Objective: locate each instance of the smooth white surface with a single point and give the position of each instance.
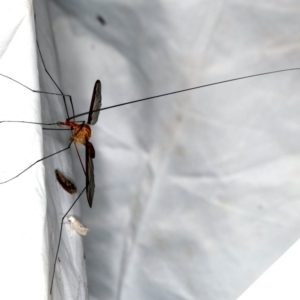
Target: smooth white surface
(280, 281)
(23, 252)
(197, 194)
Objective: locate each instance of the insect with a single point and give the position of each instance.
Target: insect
(81, 133)
(78, 226)
(101, 20)
(67, 184)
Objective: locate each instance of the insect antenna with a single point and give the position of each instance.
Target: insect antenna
(185, 90)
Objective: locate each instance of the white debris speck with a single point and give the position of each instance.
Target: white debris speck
(78, 226)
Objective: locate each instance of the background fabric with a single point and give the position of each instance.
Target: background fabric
(24, 232)
(197, 194)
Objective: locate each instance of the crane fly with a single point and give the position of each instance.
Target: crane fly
(81, 133)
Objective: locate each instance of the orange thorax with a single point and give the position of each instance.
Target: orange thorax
(80, 133)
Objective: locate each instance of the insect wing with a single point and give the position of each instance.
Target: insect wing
(96, 103)
(90, 180)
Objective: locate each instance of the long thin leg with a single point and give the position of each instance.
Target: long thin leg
(80, 158)
(28, 88)
(37, 162)
(37, 123)
(25, 122)
(46, 124)
(83, 122)
(57, 123)
(62, 94)
(57, 129)
(59, 239)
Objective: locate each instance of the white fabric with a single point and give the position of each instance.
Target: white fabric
(196, 193)
(24, 247)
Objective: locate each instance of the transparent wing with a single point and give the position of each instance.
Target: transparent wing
(96, 103)
(90, 180)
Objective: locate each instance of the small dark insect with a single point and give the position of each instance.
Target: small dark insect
(66, 184)
(58, 259)
(101, 20)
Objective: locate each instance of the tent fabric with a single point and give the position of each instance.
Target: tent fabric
(23, 199)
(197, 194)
